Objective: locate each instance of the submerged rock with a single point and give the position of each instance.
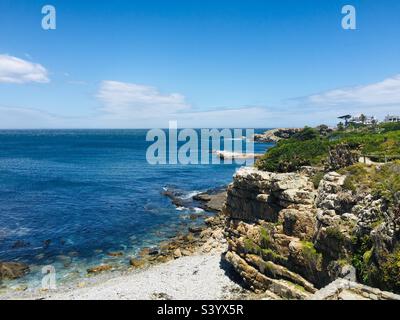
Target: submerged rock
(20, 244)
(13, 270)
(212, 200)
(115, 254)
(99, 269)
(137, 263)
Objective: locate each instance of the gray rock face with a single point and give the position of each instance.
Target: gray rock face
(256, 194)
(343, 289)
(275, 135)
(280, 228)
(342, 156)
(268, 214)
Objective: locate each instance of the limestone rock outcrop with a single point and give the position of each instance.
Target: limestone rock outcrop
(342, 289)
(275, 135)
(289, 238)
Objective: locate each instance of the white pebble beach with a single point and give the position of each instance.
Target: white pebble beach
(196, 277)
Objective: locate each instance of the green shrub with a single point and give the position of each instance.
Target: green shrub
(250, 246)
(336, 234)
(387, 127)
(306, 134)
(383, 181)
(316, 179)
(312, 258)
(291, 155)
(265, 238)
(386, 183)
(391, 271)
(271, 255)
(361, 246)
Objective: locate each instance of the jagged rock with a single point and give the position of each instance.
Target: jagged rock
(342, 289)
(196, 229)
(13, 270)
(275, 135)
(281, 232)
(289, 215)
(334, 241)
(137, 263)
(115, 254)
(258, 281)
(369, 211)
(299, 221)
(98, 269)
(341, 156)
(256, 194)
(337, 270)
(276, 271)
(332, 196)
(212, 200)
(177, 253)
(306, 261)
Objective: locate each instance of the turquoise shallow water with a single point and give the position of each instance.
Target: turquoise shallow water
(67, 197)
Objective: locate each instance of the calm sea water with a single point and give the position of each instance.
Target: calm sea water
(74, 195)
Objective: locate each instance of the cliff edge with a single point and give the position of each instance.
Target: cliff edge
(291, 236)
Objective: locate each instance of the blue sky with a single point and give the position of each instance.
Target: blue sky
(130, 64)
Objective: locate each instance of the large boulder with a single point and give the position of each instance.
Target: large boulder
(13, 270)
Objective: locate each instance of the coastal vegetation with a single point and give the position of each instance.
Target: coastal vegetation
(311, 147)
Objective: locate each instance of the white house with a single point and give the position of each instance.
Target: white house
(390, 118)
(363, 120)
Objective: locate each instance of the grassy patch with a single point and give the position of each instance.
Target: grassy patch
(391, 271)
(383, 181)
(311, 256)
(266, 240)
(316, 179)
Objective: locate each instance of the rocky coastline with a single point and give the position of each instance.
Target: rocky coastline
(272, 236)
(275, 135)
(291, 238)
(203, 243)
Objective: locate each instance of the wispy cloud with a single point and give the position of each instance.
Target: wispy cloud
(129, 105)
(16, 70)
(377, 99)
(130, 100)
(386, 92)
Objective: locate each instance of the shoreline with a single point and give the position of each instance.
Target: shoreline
(176, 269)
(181, 279)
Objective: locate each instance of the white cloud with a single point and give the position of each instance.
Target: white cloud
(129, 105)
(16, 70)
(386, 92)
(130, 100)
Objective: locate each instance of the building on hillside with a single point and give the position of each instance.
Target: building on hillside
(391, 118)
(362, 119)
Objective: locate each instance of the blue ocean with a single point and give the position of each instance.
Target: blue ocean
(83, 193)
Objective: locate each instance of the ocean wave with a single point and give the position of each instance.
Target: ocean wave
(19, 232)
